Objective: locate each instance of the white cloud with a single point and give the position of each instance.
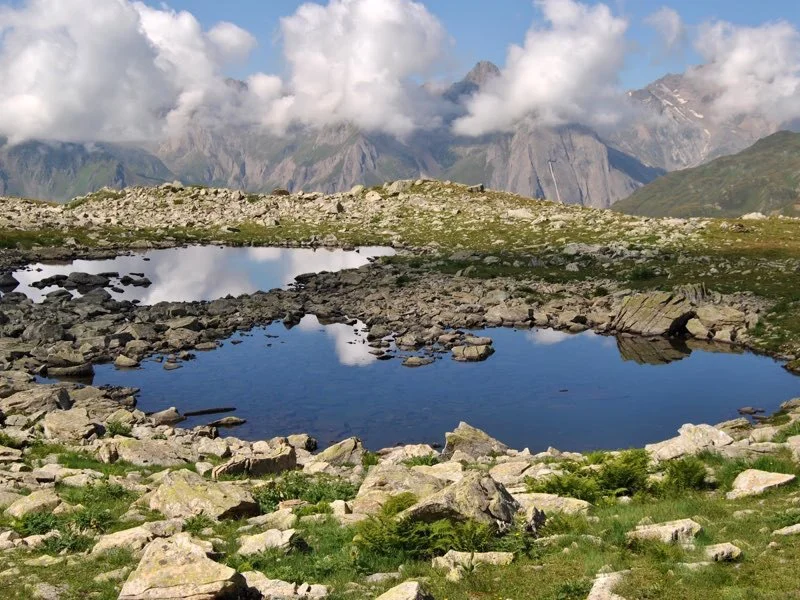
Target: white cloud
(354, 60)
(566, 71)
(233, 42)
(751, 69)
(670, 27)
(118, 70)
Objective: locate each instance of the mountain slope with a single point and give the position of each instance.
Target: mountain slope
(585, 169)
(764, 178)
(677, 128)
(60, 171)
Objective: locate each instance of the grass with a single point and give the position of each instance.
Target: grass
(299, 486)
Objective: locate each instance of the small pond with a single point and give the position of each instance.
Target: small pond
(541, 388)
(200, 272)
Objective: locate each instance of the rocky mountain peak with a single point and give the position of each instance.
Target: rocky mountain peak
(482, 72)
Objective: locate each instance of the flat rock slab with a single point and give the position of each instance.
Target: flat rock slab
(270, 539)
(723, 552)
(184, 494)
(753, 482)
(408, 590)
(551, 503)
(604, 584)
(43, 501)
(179, 567)
(276, 589)
(682, 531)
(790, 530)
(691, 440)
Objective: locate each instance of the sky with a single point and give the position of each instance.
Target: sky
(149, 70)
(483, 29)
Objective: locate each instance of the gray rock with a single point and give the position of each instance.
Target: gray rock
(472, 442)
(179, 567)
(476, 497)
(183, 494)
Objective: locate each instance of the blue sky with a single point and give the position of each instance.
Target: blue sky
(483, 30)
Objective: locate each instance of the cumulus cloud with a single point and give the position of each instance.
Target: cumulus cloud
(566, 71)
(354, 60)
(108, 69)
(120, 70)
(751, 69)
(670, 27)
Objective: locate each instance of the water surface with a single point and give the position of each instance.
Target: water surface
(203, 272)
(541, 388)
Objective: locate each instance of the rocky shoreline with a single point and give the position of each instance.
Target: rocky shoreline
(131, 506)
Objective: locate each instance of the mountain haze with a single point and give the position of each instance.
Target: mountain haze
(671, 128)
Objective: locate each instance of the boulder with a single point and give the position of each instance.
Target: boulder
(9, 455)
(682, 531)
(168, 416)
(551, 503)
(723, 552)
(275, 589)
(42, 501)
(472, 353)
(476, 497)
(272, 539)
(511, 473)
(449, 472)
(72, 425)
(408, 590)
(136, 538)
(346, 452)
(456, 563)
(400, 454)
(179, 567)
(281, 519)
(125, 362)
(714, 317)
(471, 441)
(386, 480)
(43, 398)
(790, 530)
(753, 482)
(653, 313)
(604, 584)
(691, 440)
(277, 460)
(184, 494)
(144, 453)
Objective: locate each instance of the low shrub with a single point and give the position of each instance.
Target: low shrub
(197, 523)
(787, 432)
(622, 474)
(426, 461)
(685, 474)
(300, 486)
(369, 459)
(118, 428)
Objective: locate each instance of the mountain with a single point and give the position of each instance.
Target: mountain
(60, 171)
(571, 163)
(674, 127)
(764, 178)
